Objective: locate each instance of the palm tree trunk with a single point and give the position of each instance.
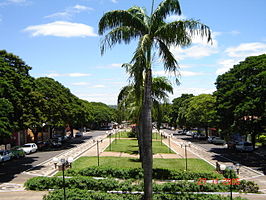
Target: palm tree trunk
(140, 141)
(147, 135)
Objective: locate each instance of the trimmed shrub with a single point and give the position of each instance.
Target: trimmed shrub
(137, 173)
(86, 183)
(88, 195)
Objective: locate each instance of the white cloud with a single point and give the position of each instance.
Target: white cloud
(114, 1)
(14, 2)
(110, 66)
(199, 48)
(98, 86)
(226, 65)
(61, 29)
(246, 49)
(196, 91)
(69, 12)
(81, 84)
(196, 51)
(107, 98)
(234, 32)
(17, 1)
(53, 75)
(182, 73)
(239, 53)
(172, 18)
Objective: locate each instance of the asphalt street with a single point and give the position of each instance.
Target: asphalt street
(253, 159)
(12, 169)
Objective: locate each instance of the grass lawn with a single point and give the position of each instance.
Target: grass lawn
(195, 165)
(131, 147)
(124, 134)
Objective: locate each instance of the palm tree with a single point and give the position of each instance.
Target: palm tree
(128, 101)
(153, 34)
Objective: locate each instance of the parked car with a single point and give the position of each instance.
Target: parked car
(180, 132)
(199, 136)
(189, 133)
(5, 155)
(210, 138)
(42, 145)
(55, 143)
(29, 148)
(17, 152)
(218, 140)
(244, 146)
(78, 134)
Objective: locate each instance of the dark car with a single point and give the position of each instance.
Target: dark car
(78, 134)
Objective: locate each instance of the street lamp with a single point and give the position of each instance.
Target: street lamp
(98, 152)
(186, 144)
(62, 164)
(237, 168)
(169, 143)
(110, 141)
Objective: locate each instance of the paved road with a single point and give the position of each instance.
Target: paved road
(12, 169)
(249, 159)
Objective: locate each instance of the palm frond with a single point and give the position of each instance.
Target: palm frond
(118, 35)
(140, 13)
(118, 18)
(166, 8)
(170, 63)
(181, 32)
(160, 87)
(123, 93)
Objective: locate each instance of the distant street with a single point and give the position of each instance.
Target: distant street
(12, 169)
(249, 159)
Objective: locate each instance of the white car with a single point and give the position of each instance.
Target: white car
(29, 148)
(189, 133)
(4, 155)
(218, 140)
(178, 133)
(244, 146)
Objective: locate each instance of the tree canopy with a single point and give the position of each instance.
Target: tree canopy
(241, 97)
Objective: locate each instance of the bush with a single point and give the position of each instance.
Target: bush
(137, 173)
(86, 183)
(88, 195)
(228, 173)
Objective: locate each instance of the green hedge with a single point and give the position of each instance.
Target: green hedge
(88, 195)
(137, 173)
(85, 183)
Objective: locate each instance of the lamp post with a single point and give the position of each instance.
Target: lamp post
(110, 141)
(63, 163)
(186, 144)
(231, 185)
(98, 152)
(169, 143)
(237, 168)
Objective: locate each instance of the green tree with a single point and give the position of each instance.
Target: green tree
(177, 103)
(17, 88)
(241, 97)
(57, 99)
(201, 111)
(6, 112)
(153, 33)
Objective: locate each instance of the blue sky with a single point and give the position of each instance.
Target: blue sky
(58, 39)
